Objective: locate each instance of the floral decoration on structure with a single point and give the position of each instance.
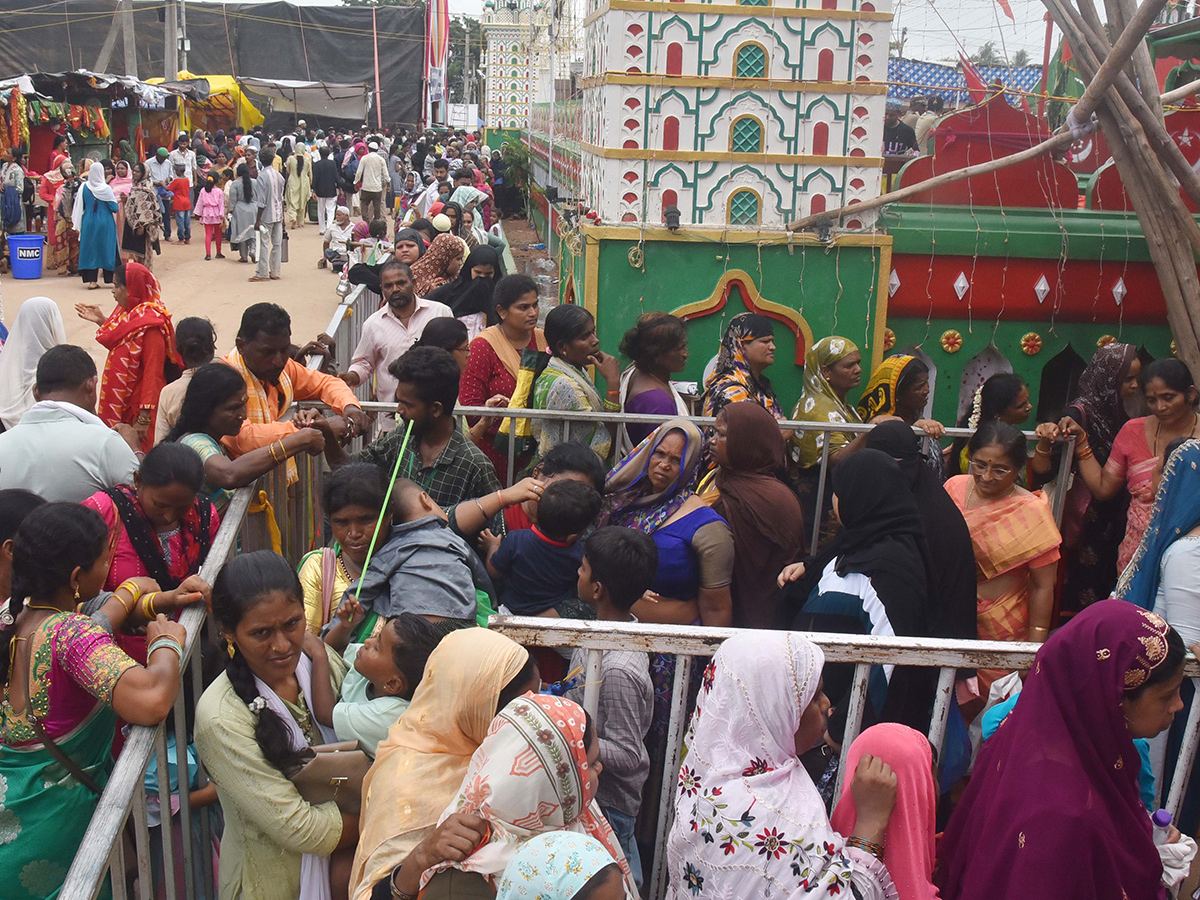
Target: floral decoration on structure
(1105, 340)
(889, 339)
(951, 341)
(1031, 343)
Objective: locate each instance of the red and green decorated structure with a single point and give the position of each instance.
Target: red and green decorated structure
(1027, 269)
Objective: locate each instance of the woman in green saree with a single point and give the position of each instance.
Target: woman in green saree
(65, 683)
(564, 384)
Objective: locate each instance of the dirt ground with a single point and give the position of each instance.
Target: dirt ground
(215, 289)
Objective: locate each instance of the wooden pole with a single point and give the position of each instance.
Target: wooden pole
(1046, 67)
(1130, 104)
(1156, 201)
(1091, 47)
(1180, 93)
(1121, 52)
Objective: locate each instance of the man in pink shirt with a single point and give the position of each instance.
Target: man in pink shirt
(389, 333)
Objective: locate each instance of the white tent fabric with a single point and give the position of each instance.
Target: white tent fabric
(316, 98)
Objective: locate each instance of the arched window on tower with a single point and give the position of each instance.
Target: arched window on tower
(674, 58)
(750, 61)
(670, 139)
(746, 135)
(743, 208)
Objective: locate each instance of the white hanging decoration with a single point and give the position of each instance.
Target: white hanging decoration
(961, 284)
(1119, 291)
(893, 283)
(1042, 289)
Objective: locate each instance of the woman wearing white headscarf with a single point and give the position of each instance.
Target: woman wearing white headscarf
(749, 821)
(94, 217)
(37, 327)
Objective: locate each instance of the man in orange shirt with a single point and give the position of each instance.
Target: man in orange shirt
(274, 380)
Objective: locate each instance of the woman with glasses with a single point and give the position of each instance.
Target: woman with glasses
(1015, 539)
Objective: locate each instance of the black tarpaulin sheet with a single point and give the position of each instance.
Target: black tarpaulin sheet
(261, 40)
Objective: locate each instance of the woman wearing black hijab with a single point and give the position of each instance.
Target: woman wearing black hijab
(952, 581)
(871, 579)
(469, 296)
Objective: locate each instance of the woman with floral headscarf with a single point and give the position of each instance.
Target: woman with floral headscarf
(142, 358)
(439, 264)
(749, 821)
(1092, 529)
(536, 772)
(899, 389)
(832, 368)
(747, 349)
(143, 219)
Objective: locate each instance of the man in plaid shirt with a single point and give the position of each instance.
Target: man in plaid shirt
(439, 457)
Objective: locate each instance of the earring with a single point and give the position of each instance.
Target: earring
(76, 592)
(229, 647)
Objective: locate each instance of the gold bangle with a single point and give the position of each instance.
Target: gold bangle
(1040, 628)
(148, 605)
(1038, 449)
(132, 603)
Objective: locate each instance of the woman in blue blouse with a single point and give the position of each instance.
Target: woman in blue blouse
(652, 492)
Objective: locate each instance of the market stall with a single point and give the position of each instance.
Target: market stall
(213, 103)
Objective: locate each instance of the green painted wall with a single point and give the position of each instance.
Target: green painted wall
(834, 289)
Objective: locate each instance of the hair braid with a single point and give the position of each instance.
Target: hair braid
(273, 736)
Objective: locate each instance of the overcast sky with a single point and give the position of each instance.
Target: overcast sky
(935, 30)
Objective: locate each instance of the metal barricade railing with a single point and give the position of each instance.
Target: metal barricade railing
(103, 848)
(685, 643)
(617, 418)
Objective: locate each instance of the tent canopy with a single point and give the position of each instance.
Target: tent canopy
(316, 98)
(225, 103)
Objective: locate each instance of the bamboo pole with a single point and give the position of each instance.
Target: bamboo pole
(1092, 47)
(1120, 54)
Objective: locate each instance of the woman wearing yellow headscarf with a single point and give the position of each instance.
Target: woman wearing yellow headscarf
(832, 368)
(899, 389)
(419, 767)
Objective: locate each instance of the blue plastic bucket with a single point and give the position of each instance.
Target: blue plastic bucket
(25, 254)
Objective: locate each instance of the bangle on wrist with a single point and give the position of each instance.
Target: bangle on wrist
(165, 641)
(148, 606)
(871, 847)
(398, 894)
(482, 511)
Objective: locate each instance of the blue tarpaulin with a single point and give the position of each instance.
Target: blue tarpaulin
(914, 78)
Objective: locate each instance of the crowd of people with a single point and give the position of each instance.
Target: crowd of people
(477, 772)
(246, 190)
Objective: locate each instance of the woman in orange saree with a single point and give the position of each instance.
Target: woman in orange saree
(1015, 539)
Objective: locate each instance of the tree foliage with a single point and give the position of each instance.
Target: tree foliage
(987, 55)
(459, 28)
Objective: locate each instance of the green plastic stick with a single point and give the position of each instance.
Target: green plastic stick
(383, 512)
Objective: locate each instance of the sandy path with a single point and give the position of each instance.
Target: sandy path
(216, 289)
